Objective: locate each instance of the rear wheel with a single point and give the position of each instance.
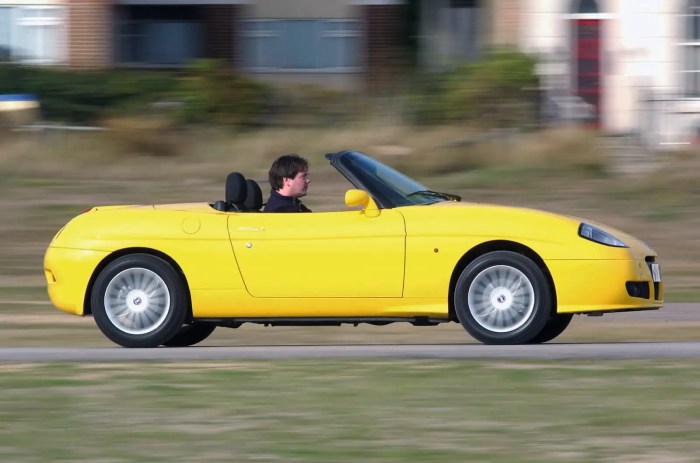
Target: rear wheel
(139, 300)
(503, 298)
(191, 334)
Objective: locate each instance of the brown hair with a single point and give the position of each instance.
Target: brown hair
(286, 166)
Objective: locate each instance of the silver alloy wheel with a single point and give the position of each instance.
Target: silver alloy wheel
(137, 300)
(501, 298)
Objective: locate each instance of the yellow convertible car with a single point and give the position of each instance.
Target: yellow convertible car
(168, 275)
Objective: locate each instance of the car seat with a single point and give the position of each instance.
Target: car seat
(236, 191)
(253, 200)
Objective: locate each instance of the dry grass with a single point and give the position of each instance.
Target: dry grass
(47, 177)
(567, 149)
(154, 135)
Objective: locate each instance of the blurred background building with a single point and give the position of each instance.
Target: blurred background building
(335, 43)
(626, 66)
(629, 66)
(636, 62)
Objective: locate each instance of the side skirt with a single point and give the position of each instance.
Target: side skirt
(323, 321)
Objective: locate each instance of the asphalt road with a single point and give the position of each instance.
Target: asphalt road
(552, 351)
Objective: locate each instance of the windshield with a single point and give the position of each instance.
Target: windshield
(387, 186)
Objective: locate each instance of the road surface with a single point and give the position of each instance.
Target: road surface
(683, 313)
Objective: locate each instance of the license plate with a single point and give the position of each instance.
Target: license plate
(655, 272)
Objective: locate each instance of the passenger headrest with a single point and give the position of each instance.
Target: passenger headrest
(236, 190)
(254, 198)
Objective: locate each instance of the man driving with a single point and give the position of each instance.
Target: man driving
(289, 179)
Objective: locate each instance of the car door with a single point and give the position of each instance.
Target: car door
(320, 254)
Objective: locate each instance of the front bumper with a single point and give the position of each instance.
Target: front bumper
(588, 286)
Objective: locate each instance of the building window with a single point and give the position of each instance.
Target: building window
(691, 62)
(463, 3)
(5, 22)
(301, 45)
(585, 7)
(168, 36)
(32, 34)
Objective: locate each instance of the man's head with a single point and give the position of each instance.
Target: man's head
(289, 175)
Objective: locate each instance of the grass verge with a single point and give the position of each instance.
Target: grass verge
(349, 411)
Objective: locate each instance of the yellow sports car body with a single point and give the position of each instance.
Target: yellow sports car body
(170, 274)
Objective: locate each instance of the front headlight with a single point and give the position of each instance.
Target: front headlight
(597, 235)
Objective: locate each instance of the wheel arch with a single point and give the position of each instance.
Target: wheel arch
(87, 308)
(491, 246)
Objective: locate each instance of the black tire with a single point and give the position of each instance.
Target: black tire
(139, 300)
(503, 298)
(553, 328)
(191, 334)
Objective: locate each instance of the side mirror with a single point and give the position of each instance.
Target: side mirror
(355, 198)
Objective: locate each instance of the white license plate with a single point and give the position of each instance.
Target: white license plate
(655, 272)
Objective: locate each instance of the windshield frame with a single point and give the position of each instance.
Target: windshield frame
(387, 186)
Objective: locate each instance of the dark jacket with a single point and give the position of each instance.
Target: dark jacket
(280, 203)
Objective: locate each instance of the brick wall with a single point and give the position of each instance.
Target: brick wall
(220, 25)
(506, 22)
(384, 40)
(90, 33)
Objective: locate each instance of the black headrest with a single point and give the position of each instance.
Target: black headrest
(236, 190)
(254, 198)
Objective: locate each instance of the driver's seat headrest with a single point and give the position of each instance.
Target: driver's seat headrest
(236, 191)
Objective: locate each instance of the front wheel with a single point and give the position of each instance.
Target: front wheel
(191, 334)
(139, 300)
(503, 298)
(553, 328)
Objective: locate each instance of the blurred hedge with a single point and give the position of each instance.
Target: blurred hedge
(211, 93)
(498, 90)
(204, 92)
(84, 96)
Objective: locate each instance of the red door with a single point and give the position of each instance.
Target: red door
(587, 63)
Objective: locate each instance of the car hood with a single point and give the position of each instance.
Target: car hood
(496, 222)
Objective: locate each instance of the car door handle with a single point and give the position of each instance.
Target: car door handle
(251, 229)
